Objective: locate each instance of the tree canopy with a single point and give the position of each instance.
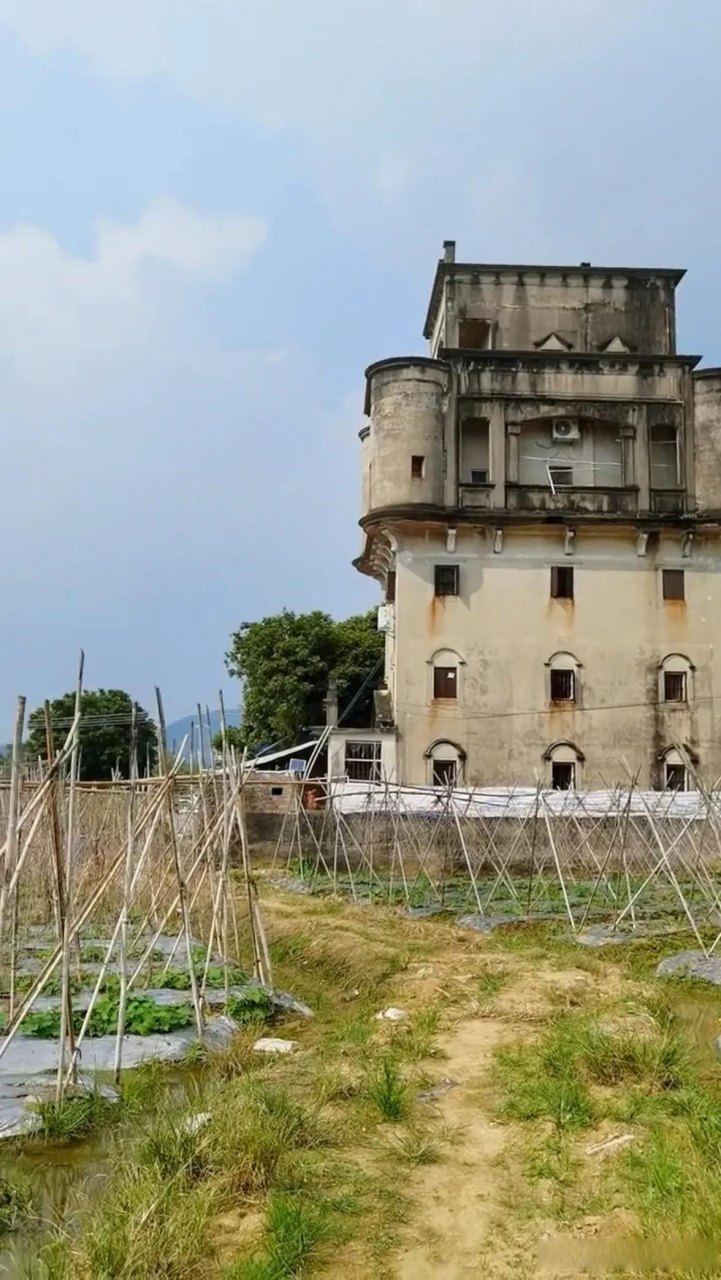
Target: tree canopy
(104, 732)
(285, 662)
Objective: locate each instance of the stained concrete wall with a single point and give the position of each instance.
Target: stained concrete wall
(406, 403)
(504, 628)
(707, 413)
(585, 309)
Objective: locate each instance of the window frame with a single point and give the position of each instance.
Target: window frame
(671, 767)
(453, 573)
(558, 675)
(667, 679)
(569, 765)
(372, 760)
(442, 765)
(418, 466)
(558, 575)
(444, 673)
(554, 469)
(668, 578)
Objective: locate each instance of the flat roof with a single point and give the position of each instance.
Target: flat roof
(576, 269)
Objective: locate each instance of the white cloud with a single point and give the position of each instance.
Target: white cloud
(55, 309)
(326, 66)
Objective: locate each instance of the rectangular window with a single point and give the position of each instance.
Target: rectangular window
(391, 586)
(418, 466)
(445, 682)
(561, 582)
(363, 761)
(563, 775)
(446, 579)
(673, 584)
(665, 462)
(563, 686)
(561, 477)
(276, 791)
(444, 773)
(474, 462)
(675, 777)
(674, 686)
(474, 334)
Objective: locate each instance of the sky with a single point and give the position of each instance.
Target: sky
(214, 216)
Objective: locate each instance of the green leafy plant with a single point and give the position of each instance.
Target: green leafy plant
(255, 1005)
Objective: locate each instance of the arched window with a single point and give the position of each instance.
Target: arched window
(565, 762)
(445, 763)
(675, 679)
(445, 668)
(675, 774)
(563, 685)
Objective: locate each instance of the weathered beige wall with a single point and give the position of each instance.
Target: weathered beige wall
(707, 404)
(505, 627)
(586, 311)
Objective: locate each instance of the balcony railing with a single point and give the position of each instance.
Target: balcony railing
(585, 500)
(668, 501)
(475, 497)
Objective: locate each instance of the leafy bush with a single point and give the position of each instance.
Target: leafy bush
(143, 1017)
(255, 1005)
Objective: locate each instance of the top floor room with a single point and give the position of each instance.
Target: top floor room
(582, 308)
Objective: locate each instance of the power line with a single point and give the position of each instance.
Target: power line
(574, 708)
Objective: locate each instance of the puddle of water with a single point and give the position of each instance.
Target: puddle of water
(64, 1174)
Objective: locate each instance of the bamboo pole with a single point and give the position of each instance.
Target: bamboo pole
(127, 890)
(182, 893)
(66, 1010)
(11, 843)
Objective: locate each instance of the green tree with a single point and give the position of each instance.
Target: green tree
(285, 662)
(104, 732)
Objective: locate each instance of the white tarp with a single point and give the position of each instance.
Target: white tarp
(518, 802)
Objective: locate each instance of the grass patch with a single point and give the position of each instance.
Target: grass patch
(296, 1229)
(387, 1090)
(76, 1115)
(491, 980)
(16, 1201)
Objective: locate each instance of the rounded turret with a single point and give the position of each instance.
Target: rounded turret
(365, 438)
(707, 433)
(406, 402)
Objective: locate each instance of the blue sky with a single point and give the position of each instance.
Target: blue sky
(213, 216)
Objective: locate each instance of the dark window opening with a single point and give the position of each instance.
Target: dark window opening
(391, 586)
(474, 334)
(445, 682)
(418, 466)
(563, 775)
(674, 686)
(474, 451)
(665, 468)
(276, 791)
(561, 582)
(444, 773)
(563, 686)
(675, 777)
(446, 579)
(673, 584)
(363, 761)
(561, 477)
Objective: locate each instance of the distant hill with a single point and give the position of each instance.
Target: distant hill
(177, 729)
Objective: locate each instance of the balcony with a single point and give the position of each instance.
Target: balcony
(581, 499)
(475, 497)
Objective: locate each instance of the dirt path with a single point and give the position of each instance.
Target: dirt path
(459, 1195)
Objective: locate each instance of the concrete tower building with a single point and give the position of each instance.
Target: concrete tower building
(542, 509)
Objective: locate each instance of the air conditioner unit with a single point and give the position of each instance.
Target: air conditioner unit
(565, 429)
